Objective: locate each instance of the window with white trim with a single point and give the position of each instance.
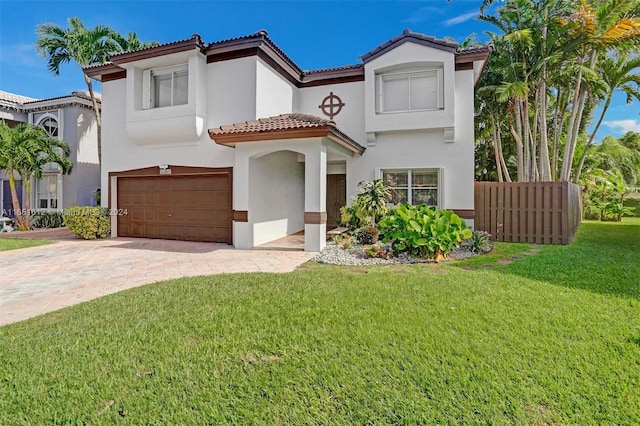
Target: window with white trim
(410, 91)
(50, 127)
(166, 87)
(413, 186)
(47, 192)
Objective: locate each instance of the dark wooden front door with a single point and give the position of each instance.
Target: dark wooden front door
(196, 208)
(336, 198)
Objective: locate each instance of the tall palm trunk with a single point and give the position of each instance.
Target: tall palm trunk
(579, 100)
(545, 166)
(27, 201)
(592, 137)
(496, 152)
(94, 102)
(14, 200)
(503, 164)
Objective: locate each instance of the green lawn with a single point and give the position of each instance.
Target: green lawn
(552, 338)
(18, 243)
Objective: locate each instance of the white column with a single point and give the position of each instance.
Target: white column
(242, 231)
(315, 199)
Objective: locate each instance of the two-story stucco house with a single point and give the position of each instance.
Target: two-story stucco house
(69, 118)
(233, 142)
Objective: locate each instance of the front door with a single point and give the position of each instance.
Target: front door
(336, 198)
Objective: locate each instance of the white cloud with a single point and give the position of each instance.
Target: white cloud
(624, 125)
(423, 14)
(461, 18)
(20, 54)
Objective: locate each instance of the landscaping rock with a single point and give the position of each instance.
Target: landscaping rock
(336, 255)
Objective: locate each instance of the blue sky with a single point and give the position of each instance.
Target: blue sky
(314, 34)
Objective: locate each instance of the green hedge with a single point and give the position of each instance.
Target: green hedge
(88, 223)
(633, 203)
(47, 219)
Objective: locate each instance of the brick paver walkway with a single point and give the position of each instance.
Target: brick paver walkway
(46, 278)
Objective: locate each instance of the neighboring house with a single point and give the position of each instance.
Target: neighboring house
(71, 119)
(233, 142)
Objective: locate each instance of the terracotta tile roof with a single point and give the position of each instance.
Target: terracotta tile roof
(408, 35)
(195, 39)
(333, 69)
(81, 95)
(17, 99)
(473, 50)
(285, 126)
(261, 35)
(271, 124)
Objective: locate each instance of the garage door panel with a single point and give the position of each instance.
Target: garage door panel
(176, 207)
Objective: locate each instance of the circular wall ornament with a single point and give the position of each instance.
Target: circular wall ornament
(331, 105)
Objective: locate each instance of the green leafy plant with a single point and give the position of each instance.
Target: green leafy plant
(423, 231)
(349, 219)
(479, 242)
(367, 234)
(88, 223)
(604, 196)
(343, 240)
(47, 219)
(371, 201)
(376, 250)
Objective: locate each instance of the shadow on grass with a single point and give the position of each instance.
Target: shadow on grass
(604, 258)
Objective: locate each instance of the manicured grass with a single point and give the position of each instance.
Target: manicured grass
(18, 243)
(551, 338)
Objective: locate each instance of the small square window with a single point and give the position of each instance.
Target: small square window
(167, 87)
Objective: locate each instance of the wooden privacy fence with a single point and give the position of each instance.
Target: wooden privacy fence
(528, 212)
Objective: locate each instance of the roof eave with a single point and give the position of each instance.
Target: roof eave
(330, 132)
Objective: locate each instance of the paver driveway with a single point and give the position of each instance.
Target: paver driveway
(46, 278)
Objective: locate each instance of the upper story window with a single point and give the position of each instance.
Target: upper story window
(166, 87)
(50, 126)
(410, 91)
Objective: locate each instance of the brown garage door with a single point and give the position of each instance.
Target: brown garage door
(195, 208)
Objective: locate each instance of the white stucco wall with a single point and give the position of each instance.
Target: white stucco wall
(350, 119)
(276, 199)
(80, 133)
(274, 94)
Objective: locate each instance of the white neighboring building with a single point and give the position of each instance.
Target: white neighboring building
(69, 118)
(233, 142)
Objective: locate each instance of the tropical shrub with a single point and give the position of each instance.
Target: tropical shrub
(605, 195)
(376, 250)
(343, 240)
(88, 223)
(349, 219)
(479, 242)
(367, 235)
(47, 219)
(423, 231)
(371, 201)
(369, 206)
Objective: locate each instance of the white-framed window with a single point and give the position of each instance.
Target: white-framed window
(50, 126)
(166, 87)
(414, 186)
(47, 192)
(411, 91)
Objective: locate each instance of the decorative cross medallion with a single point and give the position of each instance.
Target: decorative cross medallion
(331, 105)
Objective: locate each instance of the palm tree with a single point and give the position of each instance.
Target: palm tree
(85, 47)
(24, 150)
(617, 74)
(599, 27)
